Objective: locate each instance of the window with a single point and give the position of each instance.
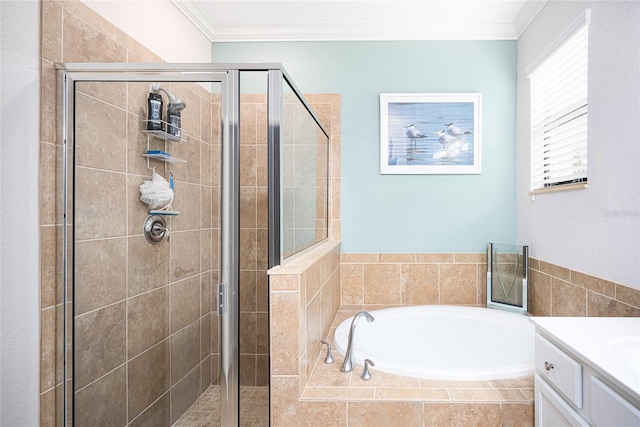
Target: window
(559, 113)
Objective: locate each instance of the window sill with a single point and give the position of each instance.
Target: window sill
(567, 187)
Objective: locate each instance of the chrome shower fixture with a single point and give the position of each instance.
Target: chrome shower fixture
(175, 105)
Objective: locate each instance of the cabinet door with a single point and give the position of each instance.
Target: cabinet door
(608, 408)
(552, 410)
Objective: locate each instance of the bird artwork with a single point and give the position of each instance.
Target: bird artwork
(455, 131)
(413, 134)
(444, 138)
(451, 146)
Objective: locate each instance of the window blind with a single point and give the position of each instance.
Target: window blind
(559, 115)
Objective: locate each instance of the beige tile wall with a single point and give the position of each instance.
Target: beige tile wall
(304, 299)
(327, 109)
(146, 339)
(254, 310)
(413, 278)
(143, 307)
(254, 294)
(559, 291)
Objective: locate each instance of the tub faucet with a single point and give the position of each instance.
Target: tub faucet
(349, 364)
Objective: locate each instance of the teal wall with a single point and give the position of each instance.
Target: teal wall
(410, 213)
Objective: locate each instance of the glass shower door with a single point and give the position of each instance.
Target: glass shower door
(142, 330)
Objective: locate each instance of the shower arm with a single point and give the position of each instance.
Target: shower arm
(175, 105)
(157, 88)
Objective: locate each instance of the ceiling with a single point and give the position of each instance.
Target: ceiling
(304, 20)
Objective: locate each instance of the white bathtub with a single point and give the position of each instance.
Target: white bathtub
(442, 342)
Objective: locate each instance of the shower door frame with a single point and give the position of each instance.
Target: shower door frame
(228, 302)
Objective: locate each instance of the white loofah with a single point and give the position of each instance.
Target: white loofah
(157, 193)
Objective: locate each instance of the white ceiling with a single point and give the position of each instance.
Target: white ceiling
(303, 20)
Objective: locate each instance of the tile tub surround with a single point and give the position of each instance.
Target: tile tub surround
(423, 402)
(306, 396)
(559, 291)
(304, 393)
(304, 299)
(460, 279)
(413, 278)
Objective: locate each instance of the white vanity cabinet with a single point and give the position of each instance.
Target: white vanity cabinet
(582, 381)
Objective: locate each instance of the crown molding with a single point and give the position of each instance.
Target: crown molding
(527, 14)
(364, 31)
(197, 16)
(357, 31)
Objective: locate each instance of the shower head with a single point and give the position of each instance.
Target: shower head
(175, 105)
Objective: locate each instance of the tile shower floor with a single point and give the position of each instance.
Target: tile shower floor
(205, 412)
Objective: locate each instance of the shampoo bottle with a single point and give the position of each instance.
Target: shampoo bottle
(154, 108)
(173, 123)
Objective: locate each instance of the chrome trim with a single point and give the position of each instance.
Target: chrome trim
(230, 249)
(195, 67)
(66, 92)
(274, 113)
(155, 229)
(489, 263)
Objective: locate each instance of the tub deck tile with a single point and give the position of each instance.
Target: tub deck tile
(487, 395)
(382, 379)
(522, 382)
(338, 393)
(453, 384)
(328, 383)
(420, 394)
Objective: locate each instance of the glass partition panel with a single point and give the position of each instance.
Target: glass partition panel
(304, 172)
(253, 285)
(507, 277)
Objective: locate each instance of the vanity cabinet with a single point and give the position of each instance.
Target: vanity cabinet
(570, 391)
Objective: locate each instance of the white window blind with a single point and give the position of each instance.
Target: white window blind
(559, 115)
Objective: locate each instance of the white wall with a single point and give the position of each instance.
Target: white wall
(159, 26)
(19, 260)
(596, 230)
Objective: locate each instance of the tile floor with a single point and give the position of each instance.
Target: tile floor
(205, 412)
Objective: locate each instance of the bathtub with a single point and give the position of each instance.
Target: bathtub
(441, 342)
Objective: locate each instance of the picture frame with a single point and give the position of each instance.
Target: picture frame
(430, 133)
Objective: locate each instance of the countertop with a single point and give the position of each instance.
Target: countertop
(594, 340)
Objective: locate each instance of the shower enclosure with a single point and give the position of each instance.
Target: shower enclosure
(163, 306)
(507, 273)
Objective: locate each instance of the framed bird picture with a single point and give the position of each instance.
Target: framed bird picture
(430, 133)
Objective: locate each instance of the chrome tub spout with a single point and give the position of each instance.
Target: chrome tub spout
(349, 364)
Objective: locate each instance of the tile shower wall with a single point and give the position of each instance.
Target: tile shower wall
(143, 313)
(254, 292)
(146, 338)
(254, 309)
